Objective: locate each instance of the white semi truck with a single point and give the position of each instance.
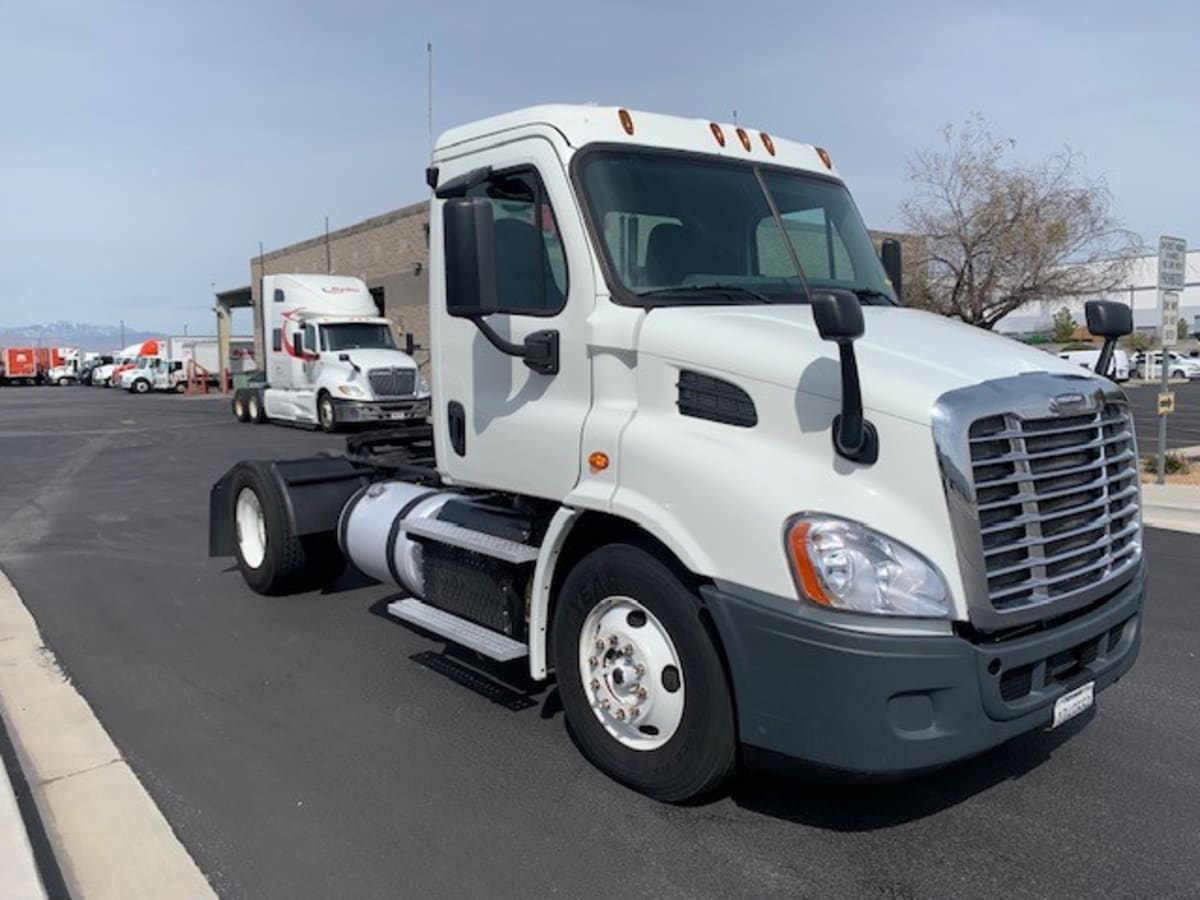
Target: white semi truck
(331, 360)
(690, 457)
(187, 357)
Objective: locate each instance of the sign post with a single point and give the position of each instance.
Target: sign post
(1172, 267)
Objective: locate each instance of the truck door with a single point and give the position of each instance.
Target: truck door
(498, 422)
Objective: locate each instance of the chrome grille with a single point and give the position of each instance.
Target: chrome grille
(1057, 502)
(393, 382)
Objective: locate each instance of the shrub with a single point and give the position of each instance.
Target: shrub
(1174, 464)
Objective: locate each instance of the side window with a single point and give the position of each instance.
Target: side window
(310, 338)
(277, 340)
(818, 244)
(531, 267)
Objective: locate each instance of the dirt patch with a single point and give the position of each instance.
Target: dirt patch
(1192, 477)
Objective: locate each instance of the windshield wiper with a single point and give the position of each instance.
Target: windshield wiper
(716, 293)
(872, 294)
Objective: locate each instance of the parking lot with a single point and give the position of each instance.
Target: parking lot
(1183, 425)
(311, 747)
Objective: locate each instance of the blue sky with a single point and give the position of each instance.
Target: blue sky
(147, 147)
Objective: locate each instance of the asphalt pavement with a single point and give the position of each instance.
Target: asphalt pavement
(310, 747)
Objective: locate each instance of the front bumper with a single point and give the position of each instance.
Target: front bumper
(887, 705)
(347, 412)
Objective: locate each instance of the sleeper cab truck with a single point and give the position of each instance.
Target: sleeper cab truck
(690, 456)
(331, 359)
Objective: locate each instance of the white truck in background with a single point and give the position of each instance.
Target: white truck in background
(331, 359)
(690, 456)
(1118, 370)
(187, 357)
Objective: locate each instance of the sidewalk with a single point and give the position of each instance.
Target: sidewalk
(1173, 506)
(19, 877)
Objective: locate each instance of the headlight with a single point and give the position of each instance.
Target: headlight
(422, 386)
(350, 390)
(844, 565)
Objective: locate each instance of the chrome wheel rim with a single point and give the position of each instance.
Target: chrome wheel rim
(631, 673)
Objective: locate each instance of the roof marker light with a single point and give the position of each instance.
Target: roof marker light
(744, 138)
(717, 133)
(767, 142)
(626, 120)
(824, 154)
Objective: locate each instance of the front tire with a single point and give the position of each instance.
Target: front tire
(642, 684)
(271, 558)
(326, 415)
(63, 382)
(141, 386)
(1178, 373)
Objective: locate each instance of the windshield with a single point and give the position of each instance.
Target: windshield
(675, 226)
(357, 335)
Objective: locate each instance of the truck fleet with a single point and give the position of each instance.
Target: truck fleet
(691, 459)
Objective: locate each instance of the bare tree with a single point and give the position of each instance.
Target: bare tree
(1001, 234)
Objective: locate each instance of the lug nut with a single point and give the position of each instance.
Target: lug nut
(599, 645)
(628, 651)
(614, 640)
(620, 713)
(642, 693)
(640, 669)
(595, 684)
(593, 661)
(604, 704)
(634, 713)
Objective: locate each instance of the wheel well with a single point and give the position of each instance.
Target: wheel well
(595, 530)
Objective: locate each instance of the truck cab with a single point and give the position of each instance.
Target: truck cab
(691, 455)
(330, 359)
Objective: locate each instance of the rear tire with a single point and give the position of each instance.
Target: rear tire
(271, 558)
(254, 410)
(239, 406)
(649, 623)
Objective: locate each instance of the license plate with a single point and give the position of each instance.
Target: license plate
(1072, 703)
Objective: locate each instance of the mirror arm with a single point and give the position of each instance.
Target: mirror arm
(1106, 355)
(540, 350)
(853, 436)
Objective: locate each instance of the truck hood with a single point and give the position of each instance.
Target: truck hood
(367, 359)
(907, 358)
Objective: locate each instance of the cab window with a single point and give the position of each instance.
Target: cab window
(531, 266)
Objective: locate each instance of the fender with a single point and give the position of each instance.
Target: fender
(314, 492)
(543, 577)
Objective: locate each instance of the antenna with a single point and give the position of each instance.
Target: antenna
(735, 121)
(328, 258)
(429, 98)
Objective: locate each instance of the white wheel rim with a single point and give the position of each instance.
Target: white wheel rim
(251, 528)
(253, 407)
(327, 411)
(628, 663)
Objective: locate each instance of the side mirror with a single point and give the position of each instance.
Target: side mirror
(1110, 321)
(470, 247)
(298, 344)
(893, 264)
(838, 316)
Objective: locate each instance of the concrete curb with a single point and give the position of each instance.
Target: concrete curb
(1172, 506)
(108, 837)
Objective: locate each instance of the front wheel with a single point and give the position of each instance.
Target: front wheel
(63, 382)
(1178, 373)
(641, 681)
(141, 386)
(326, 416)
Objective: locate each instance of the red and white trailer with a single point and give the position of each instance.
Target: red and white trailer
(20, 365)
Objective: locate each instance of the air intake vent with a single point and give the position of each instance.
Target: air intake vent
(705, 397)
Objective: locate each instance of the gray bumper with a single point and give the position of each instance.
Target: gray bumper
(887, 705)
(352, 411)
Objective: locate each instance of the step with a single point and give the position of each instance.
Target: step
(485, 544)
(459, 630)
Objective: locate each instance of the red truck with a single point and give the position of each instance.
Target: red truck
(19, 365)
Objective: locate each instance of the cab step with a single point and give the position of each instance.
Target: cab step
(467, 539)
(458, 630)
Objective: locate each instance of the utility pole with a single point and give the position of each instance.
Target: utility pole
(328, 256)
(429, 98)
(122, 333)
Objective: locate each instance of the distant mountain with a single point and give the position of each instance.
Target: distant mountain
(71, 334)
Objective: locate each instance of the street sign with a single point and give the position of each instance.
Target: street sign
(1170, 318)
(1166, 403)
(1172, 263)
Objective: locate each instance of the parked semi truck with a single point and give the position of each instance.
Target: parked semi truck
(185, 357)
(331, 360)
(690, 456)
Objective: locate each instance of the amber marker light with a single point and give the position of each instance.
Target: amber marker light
(767, 142)
(717, 133)
(744, 138)
(824, 154)
(626, 120)
(598, 461)
(802, 564)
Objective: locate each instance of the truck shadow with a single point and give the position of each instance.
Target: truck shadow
(842, 803)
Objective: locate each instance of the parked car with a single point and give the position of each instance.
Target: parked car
(1118, 370)
(1146, 365)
